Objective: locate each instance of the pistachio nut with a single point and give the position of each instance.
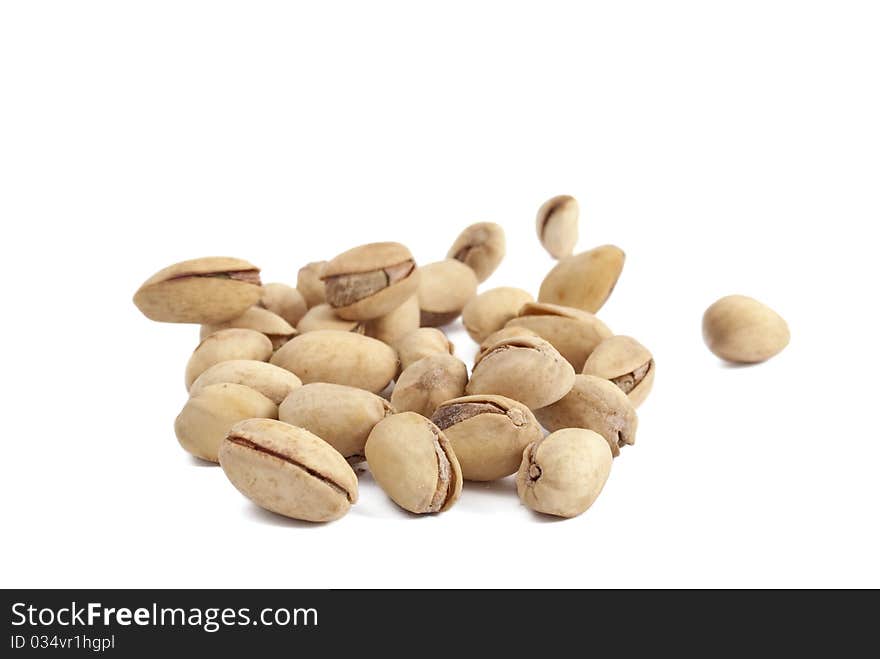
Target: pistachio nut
(557, 224)
(285, 301)
(514, 331)
(489, 311)
(393, 326)
(595, 404)
(207, 290)
(341, 416)
(370, 281)
(741, 329)
(564, 473)
(226, 344)
(487, 433)
(210, 413)
(444, 288)
(481, 247)
(574, 333)
(308, 282)
(427, 383)
(585, 280)
(413, 462)
(422, 343)
(322, 317)
(625, 362)
(288, 471)
(339, 358)
(527, 369)
(262, 320)
(271, 381)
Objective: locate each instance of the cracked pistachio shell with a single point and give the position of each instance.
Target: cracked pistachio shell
(370, 281)
(413, 463)
(262, 320)
(512, 332)
(526, 369)
(341, 416)
(625, 362)
(487, 433)
(210, 413)
(226, 344)
(288, 471)
(422, 343)
(322, 317)
(585, 280)
(557, 224)
(271, 381)
(445, 288)
(489, 311)
(392, 327)
(595, 404)
(574, 333)
(481, 247)
(206, 290)
(284, 300)
(308, 282)
(427, 383)
(564, 473)
(339, 358)
(741, 329)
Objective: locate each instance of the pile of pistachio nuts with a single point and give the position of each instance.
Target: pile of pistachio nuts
(292, 386)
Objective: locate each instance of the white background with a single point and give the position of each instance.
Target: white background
(726, 147)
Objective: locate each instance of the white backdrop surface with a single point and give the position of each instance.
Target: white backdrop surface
(726, 147)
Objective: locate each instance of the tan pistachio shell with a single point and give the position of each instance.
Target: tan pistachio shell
(413, 462)
(207, 290)
(557, 225)
(262, 320)
(585, 280)
(273, 382)
(512, 332)
(564, 473)
(445, 288)
(489, 311)
(339, 358)
(741, 329)
(322, 317)
(308, 282)
(211, 412)
(481, 247)
(393, 326)
(429, 382)
(288, 471)
(595, 404)
(284, 300)
(625, 362)
(487, 433)
(422, 343)
(226, 344)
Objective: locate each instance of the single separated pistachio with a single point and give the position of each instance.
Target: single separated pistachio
(339, 358)
(585, 280)
(574, 333)
(413, 462)
(526, 369)
(489, 311)
(444, 288)
(557, 224)
(393, 326)
(564, 473)
(481, 247)
(625, 362)
(209, 414)
(308, 282)
(208, 290)
(278, 330)
(226, 344)
(421, 343)
(597, 405)
(284, 300)
(741, 329)
(429, 382)
(288, 471)
(322, 317)
(273, 382)
(512, 332)
(370, 281)
(487, 433)
(341, 416)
